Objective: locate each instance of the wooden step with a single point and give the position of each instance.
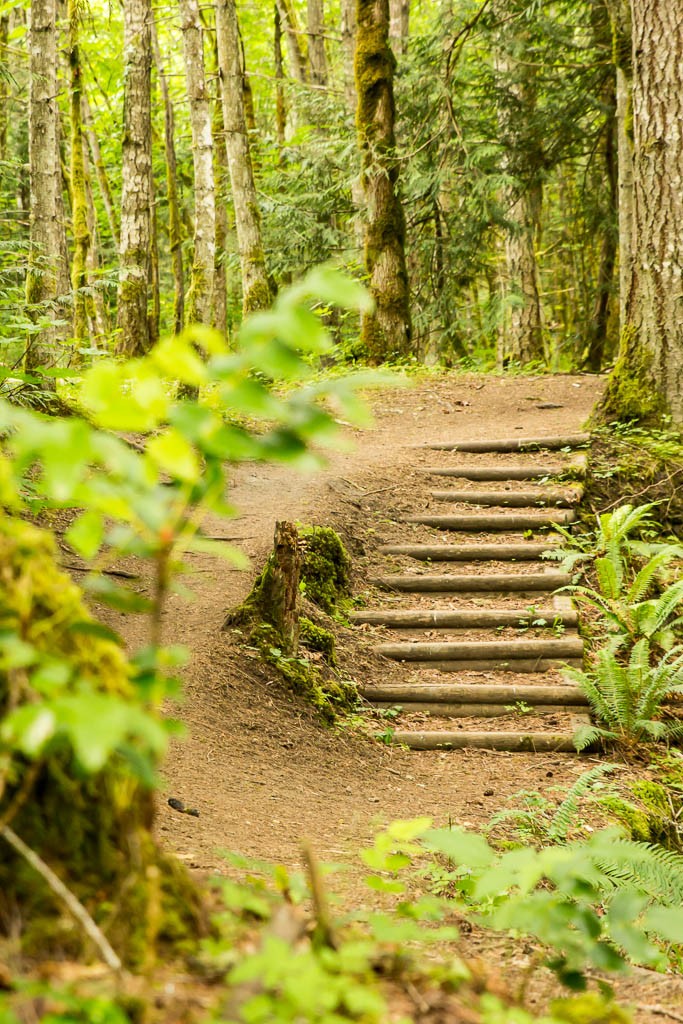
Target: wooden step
(464, 618)
(502, 472)
(475, 693)
(497, 521)
(520, 666)
(466, 583)
(515, 742)
(511, 499)
(471, 552)
(509, 650)
(512, 444)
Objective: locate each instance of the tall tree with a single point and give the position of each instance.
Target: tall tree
(293, 36)
(44, 284)
(386, 332)
(647, 380)
(79, 199)
(315, 30)
(175, 236)
(201, 285)
(136, 192)
(256, 292)
(399, 25)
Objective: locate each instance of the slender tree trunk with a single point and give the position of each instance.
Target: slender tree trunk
(201, 287)
(175, 231)
(349, 23)
(97, 311)
(386, 332)
(4, 86)
(293, 37)
(136, 193)
(597, 329)
(256, 293)
(399, 25)
(280, 100)
(315, 30)
(46, 221)
(647, 381)
(620, 17)
(79, 201)
(100, 169)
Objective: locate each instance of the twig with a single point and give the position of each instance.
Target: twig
(105, 572)
(22, 795)
(324, 928)
(74, 905)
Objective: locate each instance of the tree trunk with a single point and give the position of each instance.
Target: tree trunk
(386, 332)
(96, 308)
(136, 192)
(174, 219)
(620, 17)
(201, 286)
(399, 25)
(647, 381)
(293, 36)
(46, 269)
(222, 179)
(256, 293)
(280, 100)
(100, 170)
(349, 23)
(315, 30)
(79, 201)
(4, 87)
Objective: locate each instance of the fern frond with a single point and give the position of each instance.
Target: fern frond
(586, 735)
(566, 812)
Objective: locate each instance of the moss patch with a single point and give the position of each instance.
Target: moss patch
(93, 830)
(317, 638)
(326, 568)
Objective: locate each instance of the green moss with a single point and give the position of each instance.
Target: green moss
(94, 830)
(633, 818)
(326, 568)
(589, 1008)
(317, 638)
(630, 394)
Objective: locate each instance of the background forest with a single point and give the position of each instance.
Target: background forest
(151, 178)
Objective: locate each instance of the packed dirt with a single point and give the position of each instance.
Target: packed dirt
(261, 768)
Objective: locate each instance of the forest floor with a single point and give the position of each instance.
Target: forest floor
(260, 766)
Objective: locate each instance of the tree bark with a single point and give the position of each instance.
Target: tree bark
(399, 25)
(46, 268)
(100, 170)
(280, 100)
(293, 36)
(136, 193)
(647, 381)
(386, 332)
(174, 219)
(79, 201)
(256, 292)
(315, 30)
(201, 286)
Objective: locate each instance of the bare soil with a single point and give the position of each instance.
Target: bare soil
(260, 766)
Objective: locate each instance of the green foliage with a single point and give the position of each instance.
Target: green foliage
(317, 638)
(325, 568)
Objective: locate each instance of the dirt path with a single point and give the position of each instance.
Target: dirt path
(263, 772)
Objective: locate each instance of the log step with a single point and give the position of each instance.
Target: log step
(520, 666)
(490, 473)
(467, 710)
(470, 552)
(509, 650)
(512, 444)
(515, 742)
(477, 693)
(511, 499)
(465, 583)
(500, 521)
(466, 619)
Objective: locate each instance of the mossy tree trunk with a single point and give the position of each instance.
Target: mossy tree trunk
(399, 25)
(647, 381)
(175, 237)
(93, 829)
(256, 292)
(202, 281)
(136, 191)
(47, 269)
(387, 331)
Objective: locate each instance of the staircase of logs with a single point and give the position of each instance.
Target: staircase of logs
(432, 605)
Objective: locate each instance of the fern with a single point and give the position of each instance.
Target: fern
(566, 813)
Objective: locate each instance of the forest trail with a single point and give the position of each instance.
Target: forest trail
(466, 665)
(257, 763)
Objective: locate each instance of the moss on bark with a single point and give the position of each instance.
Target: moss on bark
(93, 830)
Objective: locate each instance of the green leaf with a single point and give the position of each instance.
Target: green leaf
(86, 533)
(463, 848)
(170, 451)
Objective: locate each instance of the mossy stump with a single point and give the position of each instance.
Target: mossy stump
(93, 830)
